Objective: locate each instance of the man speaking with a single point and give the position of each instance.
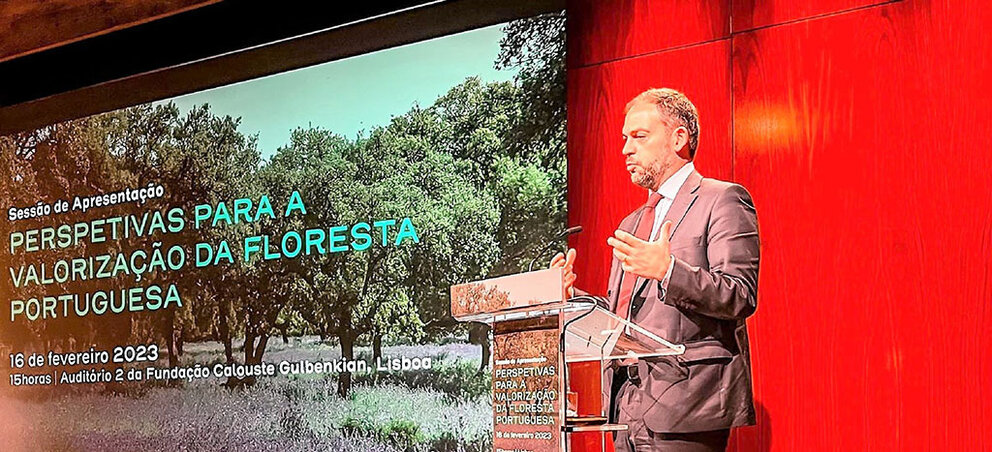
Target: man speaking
(685, 267)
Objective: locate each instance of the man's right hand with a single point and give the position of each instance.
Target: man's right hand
(566, 261)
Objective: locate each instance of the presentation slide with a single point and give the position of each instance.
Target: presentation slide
(267, 265)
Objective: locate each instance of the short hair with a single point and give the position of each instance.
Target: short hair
(676, 106)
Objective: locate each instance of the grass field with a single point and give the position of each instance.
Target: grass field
(447, 408)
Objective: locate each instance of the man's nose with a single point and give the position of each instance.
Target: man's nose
(628, 147)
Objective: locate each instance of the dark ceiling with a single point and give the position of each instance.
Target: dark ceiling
(223, 43)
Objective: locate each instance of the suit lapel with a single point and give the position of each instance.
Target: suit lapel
(676, 213)
(683, 201)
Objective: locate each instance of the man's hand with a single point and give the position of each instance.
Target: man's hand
(566, 261)
(645, 259)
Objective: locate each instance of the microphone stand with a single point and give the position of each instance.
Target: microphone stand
(561, 235)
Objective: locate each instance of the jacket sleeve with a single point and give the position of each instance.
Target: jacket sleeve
(728, 289)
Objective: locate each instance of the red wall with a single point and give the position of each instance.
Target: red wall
(861, 130)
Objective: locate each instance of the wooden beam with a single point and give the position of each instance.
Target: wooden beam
(33, 26)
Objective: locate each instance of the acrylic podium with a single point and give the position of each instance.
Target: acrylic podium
(537, 333)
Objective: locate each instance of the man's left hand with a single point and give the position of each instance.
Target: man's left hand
(643, 258)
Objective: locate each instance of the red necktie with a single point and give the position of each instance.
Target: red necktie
(643, 232)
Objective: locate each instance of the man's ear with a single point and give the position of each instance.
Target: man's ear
(680, 141)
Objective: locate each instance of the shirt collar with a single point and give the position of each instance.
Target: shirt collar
(671, 186)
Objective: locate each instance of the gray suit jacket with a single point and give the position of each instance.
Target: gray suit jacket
(713, 288)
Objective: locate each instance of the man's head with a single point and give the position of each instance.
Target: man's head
(661, 133)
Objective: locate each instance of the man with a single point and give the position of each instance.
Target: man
(685, 267)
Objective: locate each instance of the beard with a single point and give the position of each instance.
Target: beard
(649, 175)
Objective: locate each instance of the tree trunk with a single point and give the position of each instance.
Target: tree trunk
(224, 329)
(348, 352)
(486, 354)
(170, 339)
(249, 347)
(376, 346)
(263, 341)
(253, 355)
(478, 333)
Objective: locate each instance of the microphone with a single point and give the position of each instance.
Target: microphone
(561, 235)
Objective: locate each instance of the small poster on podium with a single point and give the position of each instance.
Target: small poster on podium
(526, 392)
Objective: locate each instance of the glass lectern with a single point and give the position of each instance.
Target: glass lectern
(537, 334)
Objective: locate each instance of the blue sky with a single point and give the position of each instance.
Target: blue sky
(354, 94)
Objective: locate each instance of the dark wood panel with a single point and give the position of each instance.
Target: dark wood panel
(750, 14)
(863, 139)
(31, 25)
(604, 30)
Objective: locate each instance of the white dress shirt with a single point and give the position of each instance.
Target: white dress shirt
(668, 190)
